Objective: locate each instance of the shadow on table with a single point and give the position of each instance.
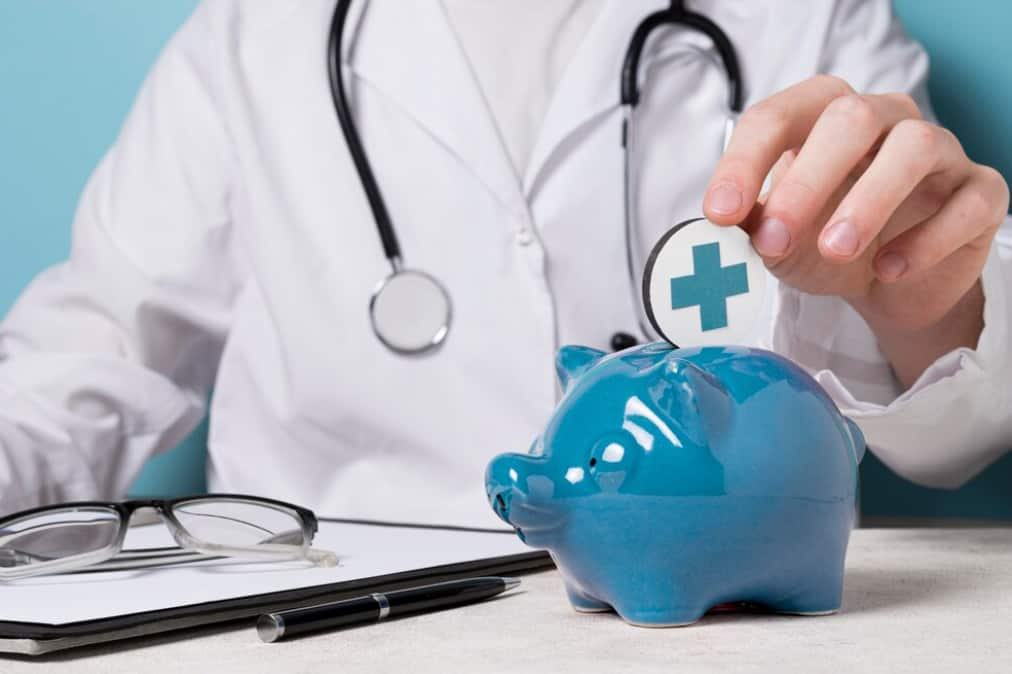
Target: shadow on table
(865, 590)
(992, 539)
(889, 589)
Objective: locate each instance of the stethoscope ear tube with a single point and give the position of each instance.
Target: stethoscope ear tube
(677, 14)
(727, 55)
(629, 94)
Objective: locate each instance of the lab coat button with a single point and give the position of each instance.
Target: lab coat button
(525, 237)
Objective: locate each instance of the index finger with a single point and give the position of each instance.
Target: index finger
(762, 135)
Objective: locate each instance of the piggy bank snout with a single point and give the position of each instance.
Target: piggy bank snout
(506, 483)
(501, 482)
(500, 501)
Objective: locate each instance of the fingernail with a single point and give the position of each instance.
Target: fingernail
(841, 238)
(890, 266)
(771, 238)
(725, 199)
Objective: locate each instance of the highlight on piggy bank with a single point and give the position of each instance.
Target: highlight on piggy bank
(669, 481)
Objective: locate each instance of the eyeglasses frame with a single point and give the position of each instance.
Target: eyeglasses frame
(189, 543)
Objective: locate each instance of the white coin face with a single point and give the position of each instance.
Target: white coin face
(704, 285)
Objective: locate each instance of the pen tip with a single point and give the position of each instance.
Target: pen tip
(510, 583)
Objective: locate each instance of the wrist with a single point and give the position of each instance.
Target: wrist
(911, 351)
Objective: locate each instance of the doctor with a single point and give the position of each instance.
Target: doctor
(225, 243)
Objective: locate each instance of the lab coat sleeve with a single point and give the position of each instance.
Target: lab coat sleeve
(108, 358)
(957, 418)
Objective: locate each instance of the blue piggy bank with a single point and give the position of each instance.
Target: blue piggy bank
(670, 481)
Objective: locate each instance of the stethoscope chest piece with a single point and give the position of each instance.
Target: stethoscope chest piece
(704, 284)
(410, 312)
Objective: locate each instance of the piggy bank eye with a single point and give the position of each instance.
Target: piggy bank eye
(612, 460)
(611, 453)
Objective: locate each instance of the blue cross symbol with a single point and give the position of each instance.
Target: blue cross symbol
(709, 286)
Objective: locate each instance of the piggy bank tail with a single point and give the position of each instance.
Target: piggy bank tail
(857, 441)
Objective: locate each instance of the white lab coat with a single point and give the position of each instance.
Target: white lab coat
(224, 242)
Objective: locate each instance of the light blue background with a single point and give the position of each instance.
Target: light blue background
(971, 74)
(69, 70)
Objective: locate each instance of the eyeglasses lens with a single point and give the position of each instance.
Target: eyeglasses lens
(237, 523)
(54, 536)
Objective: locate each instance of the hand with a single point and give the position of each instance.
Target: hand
(868, 202)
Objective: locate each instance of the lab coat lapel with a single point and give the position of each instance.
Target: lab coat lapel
(590, 83)
(408, 51)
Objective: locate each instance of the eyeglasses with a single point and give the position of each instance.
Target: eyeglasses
(74, 536)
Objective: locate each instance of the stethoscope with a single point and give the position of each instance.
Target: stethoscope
(410, 310)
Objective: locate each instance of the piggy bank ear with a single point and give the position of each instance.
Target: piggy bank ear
(572, 361)
(696, 398)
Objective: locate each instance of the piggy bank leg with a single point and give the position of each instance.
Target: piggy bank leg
(820, 593)
(664, 607)
(820, 600)
(583, 603)
(670, 616)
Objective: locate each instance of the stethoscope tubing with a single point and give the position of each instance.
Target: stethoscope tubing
(384, 225)
(629, 91)
(629, 98)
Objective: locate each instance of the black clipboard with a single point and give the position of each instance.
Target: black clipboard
(32, 639)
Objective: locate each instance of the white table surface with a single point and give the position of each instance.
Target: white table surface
(928, 600)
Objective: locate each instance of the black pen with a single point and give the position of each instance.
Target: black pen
(379, 606)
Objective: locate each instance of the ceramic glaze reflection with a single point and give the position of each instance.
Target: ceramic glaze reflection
(671, 480)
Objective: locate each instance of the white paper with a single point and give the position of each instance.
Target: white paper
(363, 551)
